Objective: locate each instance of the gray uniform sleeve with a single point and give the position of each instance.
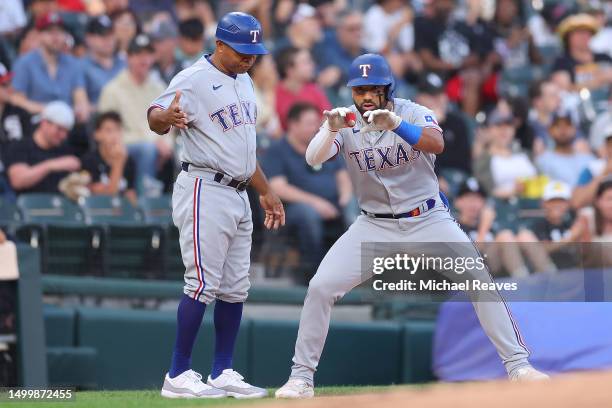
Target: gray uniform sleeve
(423, 117)
(188, 101)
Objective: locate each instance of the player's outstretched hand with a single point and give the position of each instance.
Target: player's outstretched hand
(176, 116)
(380, 119)
(339, 118)
(275, 212)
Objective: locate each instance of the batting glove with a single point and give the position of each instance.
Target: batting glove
(380, 119)
(336, 119)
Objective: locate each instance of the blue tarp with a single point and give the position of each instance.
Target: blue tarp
(562, 336)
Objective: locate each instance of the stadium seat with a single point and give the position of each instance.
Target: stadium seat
(103, 209)
(157, 210)
(455, 178)
(134, 251)
(43, 208)
(9, 215)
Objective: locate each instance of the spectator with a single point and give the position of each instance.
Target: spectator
(344, 47)
(315, 197)
(603, 212)
(563, 162)
(477, 219)
(559, 226)
(591, 176)
(111, 170)
(389, 30)
(304, 31)
(125, 26)
(101, 64)
(48, 74)
(37, 164)
(165, 41)
(130, 93)
(503, 167)
(449, 48)
(12, 18)
(512, 41)
(296, 70)
(15, 123)
(265, 78)
(579, 67)
(388, 27)
(114, 6)
(191, 41)
(545, 100)
(457, 152)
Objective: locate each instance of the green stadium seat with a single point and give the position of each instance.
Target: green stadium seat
(74, 250)
(10, 216)
(173, 261)
(103, 209)
(157, 210)
(40, 208)
(454, 177)
(134, 251)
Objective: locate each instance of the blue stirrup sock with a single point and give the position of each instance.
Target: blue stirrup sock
(189, 318)
(410, 133)
(227, 322)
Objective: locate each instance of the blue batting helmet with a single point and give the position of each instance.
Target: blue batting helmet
(371, 69)
(242, 32)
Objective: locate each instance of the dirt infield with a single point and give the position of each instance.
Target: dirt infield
(585, 390)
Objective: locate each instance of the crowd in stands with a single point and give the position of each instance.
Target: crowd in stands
(521, 88)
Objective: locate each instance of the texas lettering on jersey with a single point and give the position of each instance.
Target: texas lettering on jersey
(381, 158)
(231, 116)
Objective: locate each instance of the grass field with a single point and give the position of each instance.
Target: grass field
(577, 390)
(152, 399)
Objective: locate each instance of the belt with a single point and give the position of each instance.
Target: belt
(426, 206)
(239, 185)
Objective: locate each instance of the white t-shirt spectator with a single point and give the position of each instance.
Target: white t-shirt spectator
(377, 25)
(507, 170)
(12, 15)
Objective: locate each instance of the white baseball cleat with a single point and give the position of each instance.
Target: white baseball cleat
(231, 382)
(295, 388)
(528, 374)
(189, 385)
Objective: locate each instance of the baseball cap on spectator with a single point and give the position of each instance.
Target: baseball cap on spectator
(471, 185)
(561, 115)
(497, 118)
(557, 190)
(163, 31)
(60, 113)
(431, 84)
(5, 74)
(577, 22)
(302, 12)
(100, 25)
(140, 43)
(49, 20)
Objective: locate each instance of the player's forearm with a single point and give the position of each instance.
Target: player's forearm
(321, 148)
(431, 141)
(159, 121)
(259, 181)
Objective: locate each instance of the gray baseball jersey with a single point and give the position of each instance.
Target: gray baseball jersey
(214, 220)
(388, 175)
(222, 112)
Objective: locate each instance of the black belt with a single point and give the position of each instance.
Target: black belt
(428, 205)
(239, 185)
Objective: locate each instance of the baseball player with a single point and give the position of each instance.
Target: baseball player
(389, 149)
(212, 103)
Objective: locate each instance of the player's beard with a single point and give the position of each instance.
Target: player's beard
(382, 104)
